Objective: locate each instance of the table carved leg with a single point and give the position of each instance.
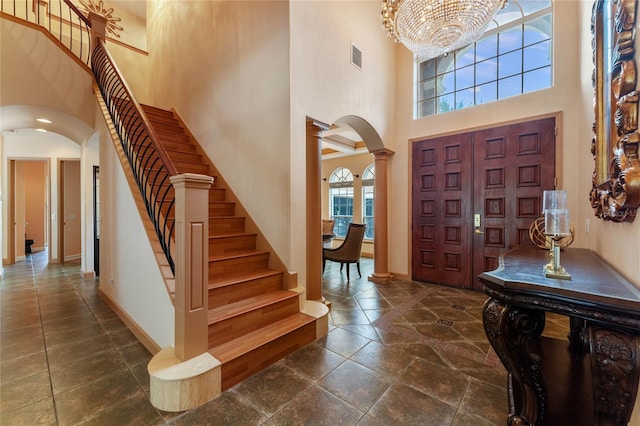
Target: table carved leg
(509, 329)
(615, 365)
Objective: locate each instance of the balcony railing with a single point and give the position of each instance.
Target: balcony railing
(61, 18)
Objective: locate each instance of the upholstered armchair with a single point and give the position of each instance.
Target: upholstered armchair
(349, 251)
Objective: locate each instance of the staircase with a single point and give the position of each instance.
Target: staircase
(253, 320)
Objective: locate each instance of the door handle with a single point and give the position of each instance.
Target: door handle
(477, 222)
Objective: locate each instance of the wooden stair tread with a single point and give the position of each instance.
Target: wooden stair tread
(245, 344)
(237, 254)
(247, 305)
(229, 280)
(232, 235)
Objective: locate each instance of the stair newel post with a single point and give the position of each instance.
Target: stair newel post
(191, 264)
(314, 208)
(98, 28)
(380, 243)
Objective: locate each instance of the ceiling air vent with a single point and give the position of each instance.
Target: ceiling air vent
(356, 56)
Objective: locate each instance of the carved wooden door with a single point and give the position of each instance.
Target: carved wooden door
(475, 195)
(441, 228)
(513, 165)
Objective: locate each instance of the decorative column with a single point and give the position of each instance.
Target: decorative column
(380, 196)
(191, 258)
(314, 208)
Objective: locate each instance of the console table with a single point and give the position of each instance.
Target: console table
(591, 379)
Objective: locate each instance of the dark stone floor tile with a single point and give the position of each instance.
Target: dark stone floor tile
(439, 332)
(495, 376)
(344, 304)
(229, 408)
(452, 314)
(142, 376)
(419, 315)
(73, 335)
(375, 303)
(136, 410)
(403, 405)
(25, 343)
(317, 407)
(135, 354)
(122, 337)
(388, 360)
(423, 351)
(273, 387)
(80, 403)
(354, 316)
(364, 330)
(375, 314)
(60, 355)
(16, 368)
(434, 301)
(313, 361)
(40, 413)
(343, 342)
(486, 401)
(463, 419)
(24, 391)
(472, 330)
(83, 371)
(432, 379)
(356, 384)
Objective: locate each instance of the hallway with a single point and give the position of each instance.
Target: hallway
(402, 353)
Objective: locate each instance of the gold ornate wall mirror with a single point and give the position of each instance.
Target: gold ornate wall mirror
(616, 178)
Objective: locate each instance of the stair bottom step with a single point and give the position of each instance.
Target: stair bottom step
(253, 352)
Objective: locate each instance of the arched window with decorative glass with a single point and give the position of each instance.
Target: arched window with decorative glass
(341, 200)
(368, 201)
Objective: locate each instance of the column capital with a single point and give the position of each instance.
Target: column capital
(383, 153)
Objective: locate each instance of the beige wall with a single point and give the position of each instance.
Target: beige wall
(227, 74)
(35, 72)
(326, 86)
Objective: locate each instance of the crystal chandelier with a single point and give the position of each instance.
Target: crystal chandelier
(430, 28)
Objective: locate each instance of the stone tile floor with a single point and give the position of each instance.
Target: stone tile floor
(399, 353)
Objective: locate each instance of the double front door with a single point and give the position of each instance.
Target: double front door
(475, 195)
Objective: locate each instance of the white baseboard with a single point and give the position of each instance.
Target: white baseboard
(72, 257)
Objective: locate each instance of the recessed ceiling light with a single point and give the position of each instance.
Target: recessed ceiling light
(43, 120)
(41, 130)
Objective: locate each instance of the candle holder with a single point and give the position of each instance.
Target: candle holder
(556, 227)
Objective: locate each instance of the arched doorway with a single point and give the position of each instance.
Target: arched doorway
(374, 145)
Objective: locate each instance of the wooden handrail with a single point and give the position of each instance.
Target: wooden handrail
(78, 12)
(171, 169)
(149, 162)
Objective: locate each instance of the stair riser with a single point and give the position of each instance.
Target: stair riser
(181, 146)
(238, 265)
(225, 225)
(234, 371)
(176, 137)
(184, 156)
(221, 209)
(231, 244)
(217, 194)
(239, 325)
(172, 126)
(184, 167)
(243, 290)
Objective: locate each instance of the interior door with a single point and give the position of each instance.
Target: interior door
(513, 165)
(474, 195)
(442, 191)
